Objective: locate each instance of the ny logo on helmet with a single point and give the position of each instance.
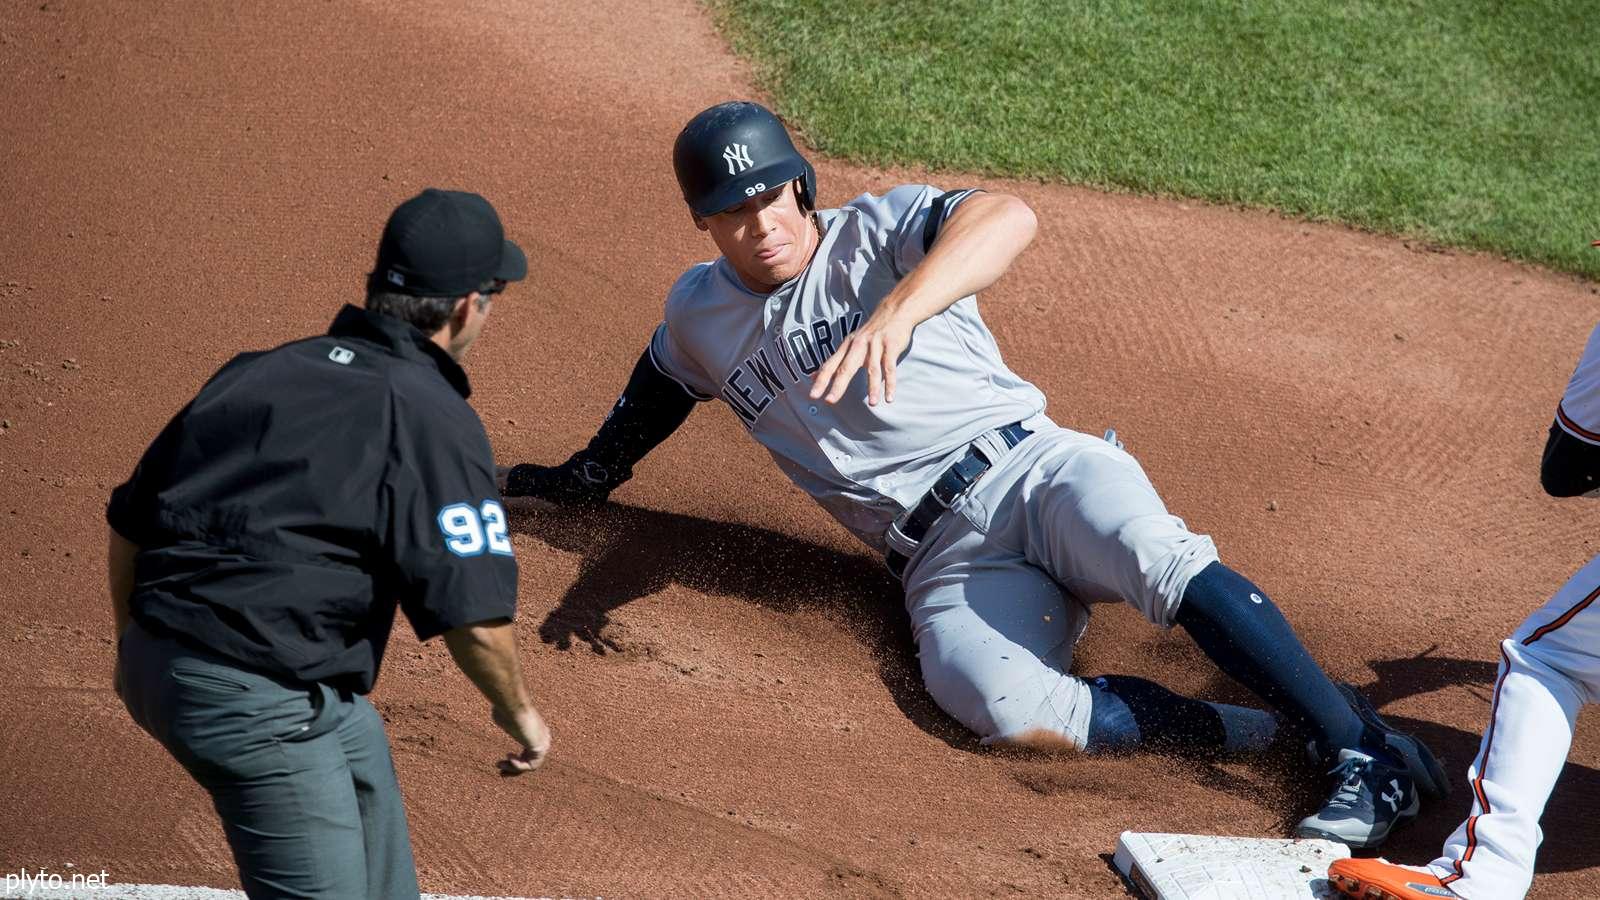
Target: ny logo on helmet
(738, 157)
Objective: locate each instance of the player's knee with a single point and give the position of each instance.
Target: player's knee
(1033, 724)
(1027, 716)
(1168, 557)
(1037, 740)
(1568, 685)
(1053, 720)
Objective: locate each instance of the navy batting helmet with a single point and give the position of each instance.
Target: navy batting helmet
(734, 151)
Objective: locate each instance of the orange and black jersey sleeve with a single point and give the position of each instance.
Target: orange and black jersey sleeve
(1571, 462)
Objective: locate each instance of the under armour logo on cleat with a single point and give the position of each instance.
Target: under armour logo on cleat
(1393, 799)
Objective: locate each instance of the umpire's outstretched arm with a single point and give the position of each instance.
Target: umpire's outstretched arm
(486, 652)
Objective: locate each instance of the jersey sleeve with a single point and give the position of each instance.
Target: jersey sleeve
(132, 510)
(1579, 411)
(908, 219)
(669, 358)
(129, 510)
(446, 532)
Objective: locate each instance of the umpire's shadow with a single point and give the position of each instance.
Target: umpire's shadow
(630, 552)
(1570, 842)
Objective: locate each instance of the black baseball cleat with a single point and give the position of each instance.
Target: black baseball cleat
(1424, 769)
(1370, 799)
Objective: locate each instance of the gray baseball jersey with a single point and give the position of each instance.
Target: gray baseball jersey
(996, 588)
(864, 464)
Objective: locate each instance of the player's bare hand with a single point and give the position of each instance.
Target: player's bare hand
(875, 346)
(527, 728)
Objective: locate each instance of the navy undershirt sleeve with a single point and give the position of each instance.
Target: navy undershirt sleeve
(650, 409)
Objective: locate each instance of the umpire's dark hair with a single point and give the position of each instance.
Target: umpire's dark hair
(427, 314)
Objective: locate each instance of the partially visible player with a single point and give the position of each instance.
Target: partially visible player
(1549, 668)
(848, 342)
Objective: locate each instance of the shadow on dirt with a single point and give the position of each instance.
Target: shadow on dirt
(631, 552)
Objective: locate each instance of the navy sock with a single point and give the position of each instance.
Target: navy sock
(1243, 632)
(1134, 714)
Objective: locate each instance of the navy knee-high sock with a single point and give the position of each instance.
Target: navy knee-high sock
(1131, 713)
(1243, 632)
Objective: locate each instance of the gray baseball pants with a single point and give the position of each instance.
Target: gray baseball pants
(299, 773)
(998, 589)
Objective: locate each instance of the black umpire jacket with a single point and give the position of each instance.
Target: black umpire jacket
(308, 490)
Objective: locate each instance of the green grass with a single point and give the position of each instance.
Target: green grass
(1473, 123)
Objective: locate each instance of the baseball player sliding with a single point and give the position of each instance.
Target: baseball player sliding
(1549, 667)
(848, 343)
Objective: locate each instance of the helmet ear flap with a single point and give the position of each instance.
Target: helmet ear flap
(808, 186)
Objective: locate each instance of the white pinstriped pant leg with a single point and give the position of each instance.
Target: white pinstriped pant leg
(1549, 668)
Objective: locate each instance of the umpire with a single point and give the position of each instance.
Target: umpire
(259, 551)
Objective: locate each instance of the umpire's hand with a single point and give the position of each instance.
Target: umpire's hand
(527, 728)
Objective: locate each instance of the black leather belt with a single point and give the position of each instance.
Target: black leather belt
(962, 474)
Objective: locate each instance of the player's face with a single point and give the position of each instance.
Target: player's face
(768, 239)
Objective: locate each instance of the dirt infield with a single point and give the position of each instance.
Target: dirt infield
(729, 677)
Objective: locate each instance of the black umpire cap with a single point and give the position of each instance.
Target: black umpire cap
(445, 244)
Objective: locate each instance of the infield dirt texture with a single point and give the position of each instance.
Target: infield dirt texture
(1357, 423)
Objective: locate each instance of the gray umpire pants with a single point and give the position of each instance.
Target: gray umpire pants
(300, 774)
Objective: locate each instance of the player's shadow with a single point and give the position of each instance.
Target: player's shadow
(630, 552)
(1568, 819)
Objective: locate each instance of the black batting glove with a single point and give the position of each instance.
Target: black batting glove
(577, 482)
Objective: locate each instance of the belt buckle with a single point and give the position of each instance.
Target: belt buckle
(946, 495)
(961, 475)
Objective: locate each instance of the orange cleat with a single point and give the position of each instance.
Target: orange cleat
(1377, 879)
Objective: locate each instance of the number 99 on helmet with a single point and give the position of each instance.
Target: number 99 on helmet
(734, 151)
